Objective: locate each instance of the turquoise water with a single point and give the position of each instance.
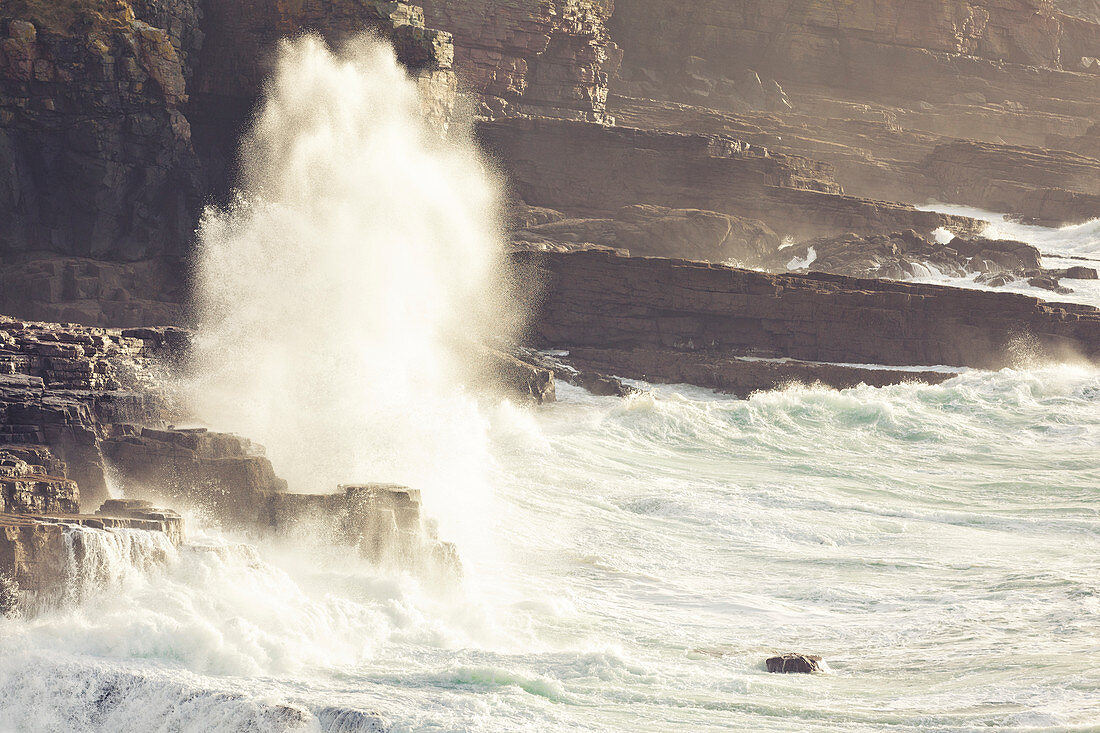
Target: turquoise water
(938, 546)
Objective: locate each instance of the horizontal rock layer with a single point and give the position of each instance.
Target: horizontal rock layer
(603, 300)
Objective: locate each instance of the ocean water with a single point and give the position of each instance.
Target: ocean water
(938, 546)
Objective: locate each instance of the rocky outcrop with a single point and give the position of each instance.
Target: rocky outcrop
(61, 386)
(599, 299)
(46, 559)
(224, 476)
(588, 170)
(531, 56)
(228, 480)
(27, 488)
(91, 126)
(385, 522)
(907, 254)
(1047, 187)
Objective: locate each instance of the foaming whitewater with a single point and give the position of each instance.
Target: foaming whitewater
(1061, 247)
(938, 545)
(338, 293)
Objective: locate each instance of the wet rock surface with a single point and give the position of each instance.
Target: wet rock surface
(794, 664)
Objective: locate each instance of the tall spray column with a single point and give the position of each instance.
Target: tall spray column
(338, 292)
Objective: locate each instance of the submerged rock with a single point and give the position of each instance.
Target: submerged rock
(794, 664)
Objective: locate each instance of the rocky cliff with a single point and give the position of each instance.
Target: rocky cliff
(119, 122)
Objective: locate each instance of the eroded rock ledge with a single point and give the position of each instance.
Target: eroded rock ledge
(627, 311)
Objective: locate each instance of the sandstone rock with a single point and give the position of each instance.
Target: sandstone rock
(26, 489)
(1048, 187)
(224, 475)
(547, 58)
(794, 664)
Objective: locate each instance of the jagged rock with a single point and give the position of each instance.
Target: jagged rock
(517, 376)
(794, 664)
(568, 371)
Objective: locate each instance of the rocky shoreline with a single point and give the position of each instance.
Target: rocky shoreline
(649, 154)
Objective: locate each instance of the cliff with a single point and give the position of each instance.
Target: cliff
(119, 121)
(531, 56)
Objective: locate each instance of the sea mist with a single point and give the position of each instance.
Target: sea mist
(339, 292)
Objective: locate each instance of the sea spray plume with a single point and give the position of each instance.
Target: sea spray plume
(337, 294)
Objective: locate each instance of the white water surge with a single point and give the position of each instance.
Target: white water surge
(1061, 247)
(337, 293)
(938, 545)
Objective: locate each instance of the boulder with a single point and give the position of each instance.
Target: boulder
(794, 664)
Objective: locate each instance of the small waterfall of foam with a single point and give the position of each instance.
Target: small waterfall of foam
(99, 559)
(337, 294)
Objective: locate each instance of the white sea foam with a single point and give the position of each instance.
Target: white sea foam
(1077, 244)
(337, 293)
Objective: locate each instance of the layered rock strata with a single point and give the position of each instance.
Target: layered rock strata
(228, 480)
(62, 386)
(588, 171)
(599, 299)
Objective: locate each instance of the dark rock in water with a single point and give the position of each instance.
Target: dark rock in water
(794, 664)
(516, 376)
(691, 307)
(565, 369)
(1046, 282)
(604, 386)
(1077, 272)
(348, 720)
(908, 254)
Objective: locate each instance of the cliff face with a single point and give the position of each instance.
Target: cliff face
(119, 121)
(835, 44)
(545, 57)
